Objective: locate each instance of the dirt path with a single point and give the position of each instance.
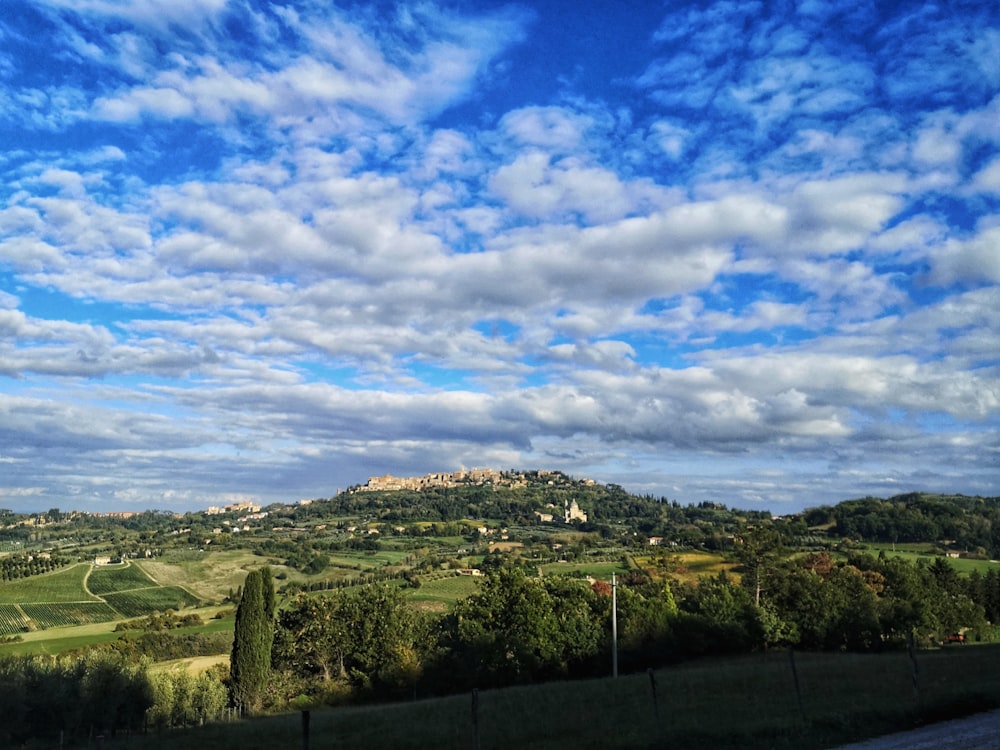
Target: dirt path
(978, 732)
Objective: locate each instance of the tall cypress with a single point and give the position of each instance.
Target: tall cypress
(250, 662)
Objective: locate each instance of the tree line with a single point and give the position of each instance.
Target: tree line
(968, 523)
(368, 643)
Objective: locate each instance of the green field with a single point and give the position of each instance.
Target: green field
(444, 591)
(926, 552)
(687, 566)
(745, 703)
(57, 614)
(61, 639)
(601, 570)
(368, 560)
(139, 602)
(208, 575)
(66, 585)
(58, 640)
(80, 595)
(12, 620)
(111, 579)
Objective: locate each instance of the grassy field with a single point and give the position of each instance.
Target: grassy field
(440, 594)
(65, 585)
(748, 703)
(207, 575)
(57, 640)
(927, 553)
(366, 561)
(194, 665)
(687, 566)
(601, 570)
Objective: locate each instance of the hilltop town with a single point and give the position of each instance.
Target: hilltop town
(475, 477)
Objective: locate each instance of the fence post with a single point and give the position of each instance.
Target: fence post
(475, 718)
(914, 670)
(305, 729)
(656, 703)
(795, 677)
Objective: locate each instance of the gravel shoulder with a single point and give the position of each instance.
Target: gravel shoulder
(977, 732)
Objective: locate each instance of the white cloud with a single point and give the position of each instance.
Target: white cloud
(735, 261)
(987, 180)
(936, 143)
(670, 138)
(554, 128)
(534, 186)
(968, 260)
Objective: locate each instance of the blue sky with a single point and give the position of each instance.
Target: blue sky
(740, 252)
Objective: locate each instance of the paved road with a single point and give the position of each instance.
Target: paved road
(978, 732)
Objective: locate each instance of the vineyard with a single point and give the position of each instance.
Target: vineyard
(139, 602)
(111, 580)
(11, 620)
(82, 595)
(68, 613)
(443, 591)
(65, 585)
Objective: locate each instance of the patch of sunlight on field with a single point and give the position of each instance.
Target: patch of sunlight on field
(209, 575)
(58, 640)
(193, 665)
(686, 567)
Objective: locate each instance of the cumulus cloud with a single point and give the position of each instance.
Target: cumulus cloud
(752, 257)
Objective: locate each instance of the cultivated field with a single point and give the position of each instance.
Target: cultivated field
(82, 595)
(66, 585)
(601, 570)
(440, 594)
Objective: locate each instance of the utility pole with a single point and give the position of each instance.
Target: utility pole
(614, 626)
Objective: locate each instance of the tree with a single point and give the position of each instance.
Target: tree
(311, 638)
(250, 661)
(759, 550)
(507, 631)
(365, 637)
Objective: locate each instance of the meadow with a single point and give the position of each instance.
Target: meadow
(747, 702)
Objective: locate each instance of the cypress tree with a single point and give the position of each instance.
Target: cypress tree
(250, 662)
